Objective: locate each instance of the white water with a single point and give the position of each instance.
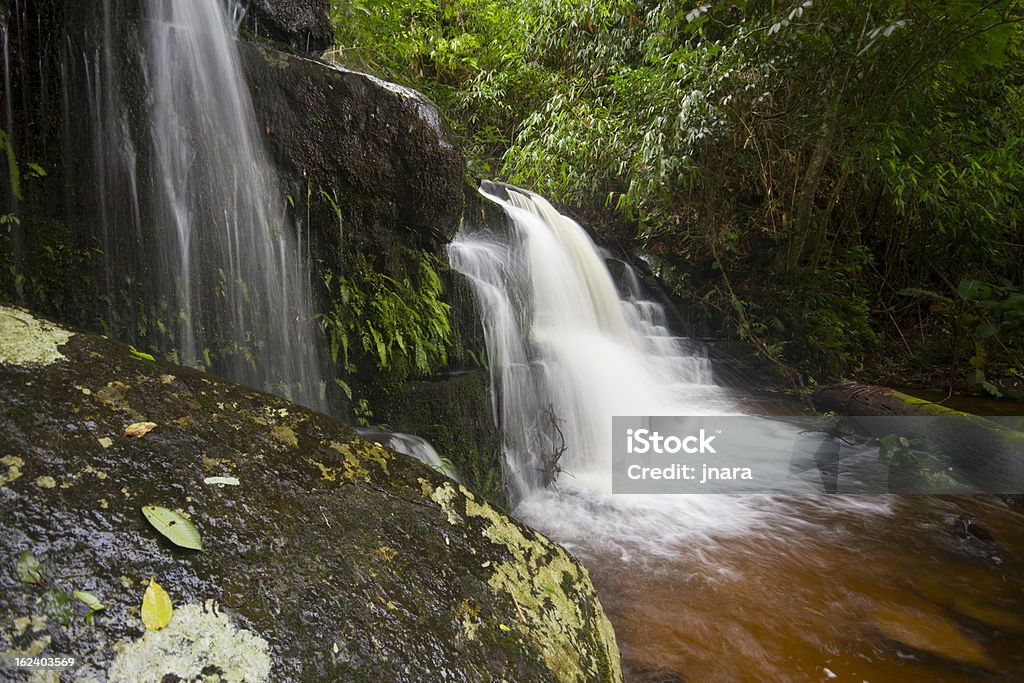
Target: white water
(712, 587)
(200, 257)
(234, 262)
(411, 445)
(560, 334)
(564, 347)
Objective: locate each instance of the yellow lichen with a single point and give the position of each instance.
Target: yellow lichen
(534, 580)
(14, 465)
(326, 473)
(45, 482)
(445, 496)
(285, 435)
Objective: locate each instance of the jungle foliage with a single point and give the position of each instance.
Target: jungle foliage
(400, 325)
(818, 178)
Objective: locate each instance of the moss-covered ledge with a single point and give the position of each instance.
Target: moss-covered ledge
(332, 559)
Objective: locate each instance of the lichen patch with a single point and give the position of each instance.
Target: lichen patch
(196, 638)
(550, 592)
(28, 341)
(14, 465)
(445, 496)
(285, 435)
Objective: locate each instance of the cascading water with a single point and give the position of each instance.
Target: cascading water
(710, 587)
(197, 247)
(566, 351)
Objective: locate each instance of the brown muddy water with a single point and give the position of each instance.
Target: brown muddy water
(800, 588)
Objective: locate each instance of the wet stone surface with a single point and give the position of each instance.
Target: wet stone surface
(341, 560)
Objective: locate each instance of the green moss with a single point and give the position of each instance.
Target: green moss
(28, 341)
(454, 414)
(920, 406)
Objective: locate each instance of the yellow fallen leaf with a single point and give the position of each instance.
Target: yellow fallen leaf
(105, 441)
(138, 430)
(156, 607)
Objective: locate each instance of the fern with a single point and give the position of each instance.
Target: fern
(401, 323)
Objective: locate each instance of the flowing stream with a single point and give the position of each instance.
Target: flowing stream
(715, 587)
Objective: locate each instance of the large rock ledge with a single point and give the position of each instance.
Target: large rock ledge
(379, 149)
(333, 559)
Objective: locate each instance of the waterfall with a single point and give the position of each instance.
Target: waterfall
(198, 251)
(567, 351)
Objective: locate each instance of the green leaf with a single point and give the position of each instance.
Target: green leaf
(140, 355)
(345, 388)
(89, 600)
(179, 530)
(29, 569)
(985, 331)
(59, 607)
(156, 607)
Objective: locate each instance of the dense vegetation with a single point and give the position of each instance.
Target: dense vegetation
(839, 184)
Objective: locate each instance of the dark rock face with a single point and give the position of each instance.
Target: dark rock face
(368, 175)
(377, 149)
(302, 26)
(332, 559)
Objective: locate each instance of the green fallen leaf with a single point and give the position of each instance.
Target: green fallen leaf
(58, 606)
(90, 600)
(179, 530)
(156, 607)
(29, 569)
(223, 481)
(140, 354)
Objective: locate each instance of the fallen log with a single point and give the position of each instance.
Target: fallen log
(990, 454)
(865, 400)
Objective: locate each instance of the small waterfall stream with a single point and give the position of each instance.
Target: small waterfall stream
(566, 350)
(713, 587)
(199, 255)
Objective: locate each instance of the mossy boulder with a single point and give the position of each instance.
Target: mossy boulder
(332, 559)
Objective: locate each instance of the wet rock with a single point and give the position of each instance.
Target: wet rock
(332, 559)
(301, 26)
(377, 150)
(967, 527)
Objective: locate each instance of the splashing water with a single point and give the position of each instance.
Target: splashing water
(712, 587)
